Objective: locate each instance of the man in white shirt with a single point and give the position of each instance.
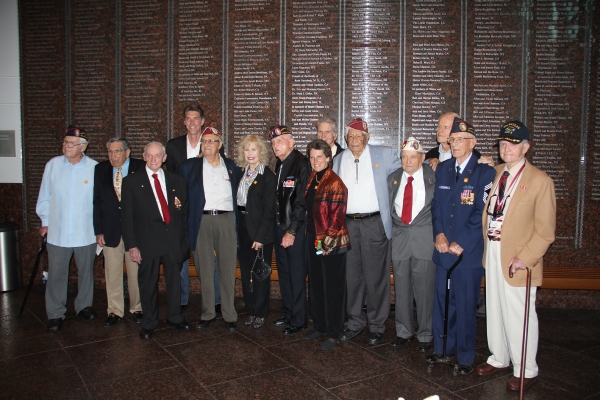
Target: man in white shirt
(364, 170)
(65, 206)
(411, 192)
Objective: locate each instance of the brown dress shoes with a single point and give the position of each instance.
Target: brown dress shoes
(487, 369)
(514, 383)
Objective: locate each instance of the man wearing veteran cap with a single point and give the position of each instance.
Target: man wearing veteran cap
(461, 190)
(518, 228)
(292, 172)
(364, 170)
(411, 192)
(212, 188)
(65, 206)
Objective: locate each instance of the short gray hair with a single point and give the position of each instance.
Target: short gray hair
(123, 141)
(328, 120)
(162, 146)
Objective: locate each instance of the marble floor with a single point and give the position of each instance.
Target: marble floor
(87, 360)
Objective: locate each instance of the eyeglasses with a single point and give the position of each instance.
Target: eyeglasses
(210, 141)
(117, 152)
(458, 140)
(69, 144)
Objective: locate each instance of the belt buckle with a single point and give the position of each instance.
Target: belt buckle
(356, 217)
(214, 212)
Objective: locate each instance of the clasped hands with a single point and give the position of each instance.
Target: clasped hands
(442, 245)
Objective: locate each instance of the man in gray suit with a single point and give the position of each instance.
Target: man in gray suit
(411, 192)
(364, 170)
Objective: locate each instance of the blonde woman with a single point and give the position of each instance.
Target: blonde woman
(256, 218)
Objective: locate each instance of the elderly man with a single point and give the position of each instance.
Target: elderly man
(108, 181)
(327, 131)
(292, 172)
(180, 149)
(411, 192)
(443, 152)
(212, 184)
(518, 228)
(364, 169)
(461, 191)
(155, 209)
(66, 209)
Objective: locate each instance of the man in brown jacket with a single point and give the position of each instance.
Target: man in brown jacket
(519, 227)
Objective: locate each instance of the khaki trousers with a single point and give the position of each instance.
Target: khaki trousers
(113, 265)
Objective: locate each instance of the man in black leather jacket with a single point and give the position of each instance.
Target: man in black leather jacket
(292, 173)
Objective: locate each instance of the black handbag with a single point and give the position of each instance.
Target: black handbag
(260, 269)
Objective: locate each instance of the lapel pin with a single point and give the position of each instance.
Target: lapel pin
(85, 182)
(465, 180)
(254, 183)
(142, 185)
(376, 165)
(523, 187)
(395, 182)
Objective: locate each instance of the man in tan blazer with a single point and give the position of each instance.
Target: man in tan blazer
(519, 227)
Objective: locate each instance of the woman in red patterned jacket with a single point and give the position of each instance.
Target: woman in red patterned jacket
(327, 243)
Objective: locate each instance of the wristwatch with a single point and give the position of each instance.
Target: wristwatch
(291, 232)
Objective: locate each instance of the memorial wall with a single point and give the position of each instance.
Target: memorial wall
(128, 67)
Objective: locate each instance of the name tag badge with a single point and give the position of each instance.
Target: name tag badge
(444, 187)
(495, 226)
(289, 183)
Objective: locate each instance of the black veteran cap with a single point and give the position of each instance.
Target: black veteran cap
(76, 132)
(279, 130)
(514, 132)
(460, 125)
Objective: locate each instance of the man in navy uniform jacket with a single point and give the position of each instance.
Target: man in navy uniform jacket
(461, 191)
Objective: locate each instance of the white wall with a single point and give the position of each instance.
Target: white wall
(10, 90)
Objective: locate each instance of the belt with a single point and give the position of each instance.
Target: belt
(242, 209)
(214, 212)
(362, 216)
(494, 238)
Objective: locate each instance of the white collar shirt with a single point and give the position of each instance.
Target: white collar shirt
(445, 155)
(217, 186)
(191, 151)
(362, 197)
(418, 185)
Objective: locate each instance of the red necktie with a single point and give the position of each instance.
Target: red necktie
(162, 200)
(407, 202)
(501, 187)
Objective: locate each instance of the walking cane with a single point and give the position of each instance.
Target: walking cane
(32, 278)
(525, 336)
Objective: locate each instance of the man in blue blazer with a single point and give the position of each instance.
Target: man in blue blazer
(461, 191)
(212, 188)
(108, 180)
(364, 170)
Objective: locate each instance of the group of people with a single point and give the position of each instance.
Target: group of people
(337, 216)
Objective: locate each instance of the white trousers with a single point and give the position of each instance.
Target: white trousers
(505, 310)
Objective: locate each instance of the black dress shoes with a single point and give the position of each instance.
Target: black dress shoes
(231, 326)
(349, 334)
(87, 313)
(292, 330)
(329, 344)
(218, 308)
(205, 323)
(399, 341)
(183, 307)
(111, 320)
(146, 334)
(137, 316)
(375, 338)
(424, 346)
(464, 369)
(55, 324)
(182, 326)
(281, 322)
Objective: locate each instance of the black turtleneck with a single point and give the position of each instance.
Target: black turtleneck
(310, 200)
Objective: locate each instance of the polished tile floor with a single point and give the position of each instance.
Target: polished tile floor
(86, 360)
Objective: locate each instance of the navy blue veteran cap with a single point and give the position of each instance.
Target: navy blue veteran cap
(460, 125)
(514, 132)
(279, 130)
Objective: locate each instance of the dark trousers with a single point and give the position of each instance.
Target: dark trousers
(148, 282)
(257, 300)
(292, 270)
(465, 285)
(326, 290)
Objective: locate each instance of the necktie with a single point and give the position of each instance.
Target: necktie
(407, 201)
(501, 187)
(457, 173)
(161, 198)
(118, 178)
(356, 161)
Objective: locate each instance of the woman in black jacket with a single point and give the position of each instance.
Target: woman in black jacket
(256, 218)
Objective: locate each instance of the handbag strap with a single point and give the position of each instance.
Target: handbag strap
(259, 256)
